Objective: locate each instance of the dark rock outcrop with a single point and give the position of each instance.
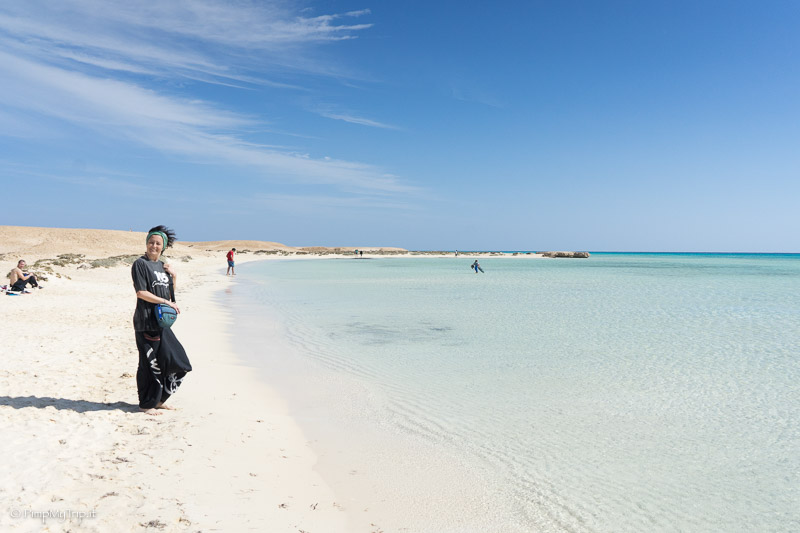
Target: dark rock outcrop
(582, 255)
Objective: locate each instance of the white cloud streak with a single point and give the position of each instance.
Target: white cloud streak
(359, 120)
(58, 62)
(211, 37)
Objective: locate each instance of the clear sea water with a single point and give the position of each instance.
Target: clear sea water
(619, 393)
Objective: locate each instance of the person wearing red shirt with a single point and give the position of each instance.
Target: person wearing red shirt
(231, 270)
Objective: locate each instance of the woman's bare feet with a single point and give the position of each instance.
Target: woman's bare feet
(162, 406)
(151, 411)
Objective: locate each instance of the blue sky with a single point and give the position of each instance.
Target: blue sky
(664, 126)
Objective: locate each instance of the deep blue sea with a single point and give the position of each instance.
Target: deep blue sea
(619, 393)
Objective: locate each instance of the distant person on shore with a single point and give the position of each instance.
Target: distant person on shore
(18, 278)
(231, 263)
(361, 253)
(163, 362)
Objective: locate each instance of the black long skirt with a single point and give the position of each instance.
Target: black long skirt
(163, 364)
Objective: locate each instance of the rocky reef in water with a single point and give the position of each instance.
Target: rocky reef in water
(581, 255)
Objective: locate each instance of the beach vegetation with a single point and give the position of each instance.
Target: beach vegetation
(113, 261)
(61, 260)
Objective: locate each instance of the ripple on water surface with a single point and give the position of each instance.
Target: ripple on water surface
(619, 393)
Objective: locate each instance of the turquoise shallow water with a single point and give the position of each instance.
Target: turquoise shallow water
(626, 392)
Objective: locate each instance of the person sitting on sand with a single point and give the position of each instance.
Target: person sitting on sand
(162, 360)
(19, 278)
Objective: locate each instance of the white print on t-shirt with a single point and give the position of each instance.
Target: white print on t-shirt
(161, 279)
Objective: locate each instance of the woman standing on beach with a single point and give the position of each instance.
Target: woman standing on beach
(162, 360)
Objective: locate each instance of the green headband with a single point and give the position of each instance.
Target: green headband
(163, 236)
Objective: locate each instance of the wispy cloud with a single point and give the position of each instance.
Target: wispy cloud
(358, 120)
(213, 41)
(245, 24)
(80, 98)
(190, 128)
(101, 67)
(204, 41)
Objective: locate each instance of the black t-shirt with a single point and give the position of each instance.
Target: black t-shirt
(149, 276)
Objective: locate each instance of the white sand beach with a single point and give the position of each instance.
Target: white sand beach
(80, 456)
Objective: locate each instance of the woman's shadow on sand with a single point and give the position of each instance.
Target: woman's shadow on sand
(79, 406)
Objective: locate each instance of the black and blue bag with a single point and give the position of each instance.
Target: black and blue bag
(165, 315)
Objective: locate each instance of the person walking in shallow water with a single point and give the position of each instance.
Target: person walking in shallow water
(163, 362)
(476, 266)
(231, 263)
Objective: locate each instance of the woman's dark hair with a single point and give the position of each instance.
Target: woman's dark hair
(171, 238)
